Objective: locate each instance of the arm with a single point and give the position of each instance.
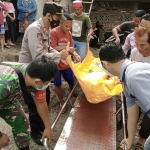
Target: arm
(34, 6)
(90, 31)
(21, 8)
(133, 115)
(5, 13)
(89, 27)
(42, 109)
(126, 45)
(115, 33)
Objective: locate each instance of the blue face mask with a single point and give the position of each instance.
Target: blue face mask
(43, 87)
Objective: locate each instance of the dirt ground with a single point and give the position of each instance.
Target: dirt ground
(12, 55)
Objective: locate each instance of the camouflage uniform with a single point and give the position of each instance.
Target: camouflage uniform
(10, 108)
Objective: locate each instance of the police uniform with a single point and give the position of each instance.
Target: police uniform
(35, 43)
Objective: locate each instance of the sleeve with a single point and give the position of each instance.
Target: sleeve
(126, 45)
(12, 7)
(34, 6)
(4, 7)
(88, 22)
(54, 39)
(123, 26)
(36, 47)
(139, 86)
(40, 95)
(21, 8)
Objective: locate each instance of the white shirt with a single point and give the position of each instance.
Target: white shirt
(136, 56)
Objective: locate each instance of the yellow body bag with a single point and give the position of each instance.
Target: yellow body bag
(95, 83)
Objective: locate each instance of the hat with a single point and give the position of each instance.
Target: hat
(54, 9)
(59, 11)
(77, 4)
(49, 8)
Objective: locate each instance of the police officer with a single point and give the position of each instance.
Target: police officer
(36, 42)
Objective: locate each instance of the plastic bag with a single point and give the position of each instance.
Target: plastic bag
(95, 83)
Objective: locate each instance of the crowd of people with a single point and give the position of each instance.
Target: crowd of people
(46, 44)
(25, 15)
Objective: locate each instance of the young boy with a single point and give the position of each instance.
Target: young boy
(60, 36)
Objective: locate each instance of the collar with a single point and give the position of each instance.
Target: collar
(43, 26)
(123, 66)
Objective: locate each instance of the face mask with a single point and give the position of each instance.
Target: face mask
(54, 23)
(43, 87)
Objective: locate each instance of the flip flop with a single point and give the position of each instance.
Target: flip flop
(11, 44)
(7, 46)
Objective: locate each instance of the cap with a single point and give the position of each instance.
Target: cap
(59, 11)
(77, 4)
(49, 8)
(54, 9)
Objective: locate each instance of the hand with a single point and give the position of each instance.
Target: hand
(117, 40)
(71, 50)
(48, 133)
(26, 15)
(30, 11)
(63, 54)
(77, 57)
(12, 19)
(4, 141)
(127, 143)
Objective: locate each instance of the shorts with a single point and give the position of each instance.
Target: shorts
(67, 75)
(2, 29)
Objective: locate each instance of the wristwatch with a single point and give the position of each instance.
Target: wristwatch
(0, 134)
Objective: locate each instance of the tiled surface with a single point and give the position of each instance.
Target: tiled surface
(89, 127)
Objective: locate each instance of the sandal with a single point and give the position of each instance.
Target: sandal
(139, 146)
(7, 46)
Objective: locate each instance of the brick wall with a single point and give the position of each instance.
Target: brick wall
(111, 14)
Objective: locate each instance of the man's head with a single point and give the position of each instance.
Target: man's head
(145, 22)
(111, 53)
(57, 1)
(53, 11)
(66, 25)
(137, 17)
(77, 6)
(142, 37)
(41, 71)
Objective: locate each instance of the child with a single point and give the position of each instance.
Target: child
(11, 33)
(2, 29)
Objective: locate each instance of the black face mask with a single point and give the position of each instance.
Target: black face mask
(54, 23)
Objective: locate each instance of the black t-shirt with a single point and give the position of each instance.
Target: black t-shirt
(127, 27)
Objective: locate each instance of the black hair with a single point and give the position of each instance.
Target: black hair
(111, 52)
(140, 13)
(68, 17)
(42, 68)
(146, 17)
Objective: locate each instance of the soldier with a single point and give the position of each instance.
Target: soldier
(35, 42)
(37, 76)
